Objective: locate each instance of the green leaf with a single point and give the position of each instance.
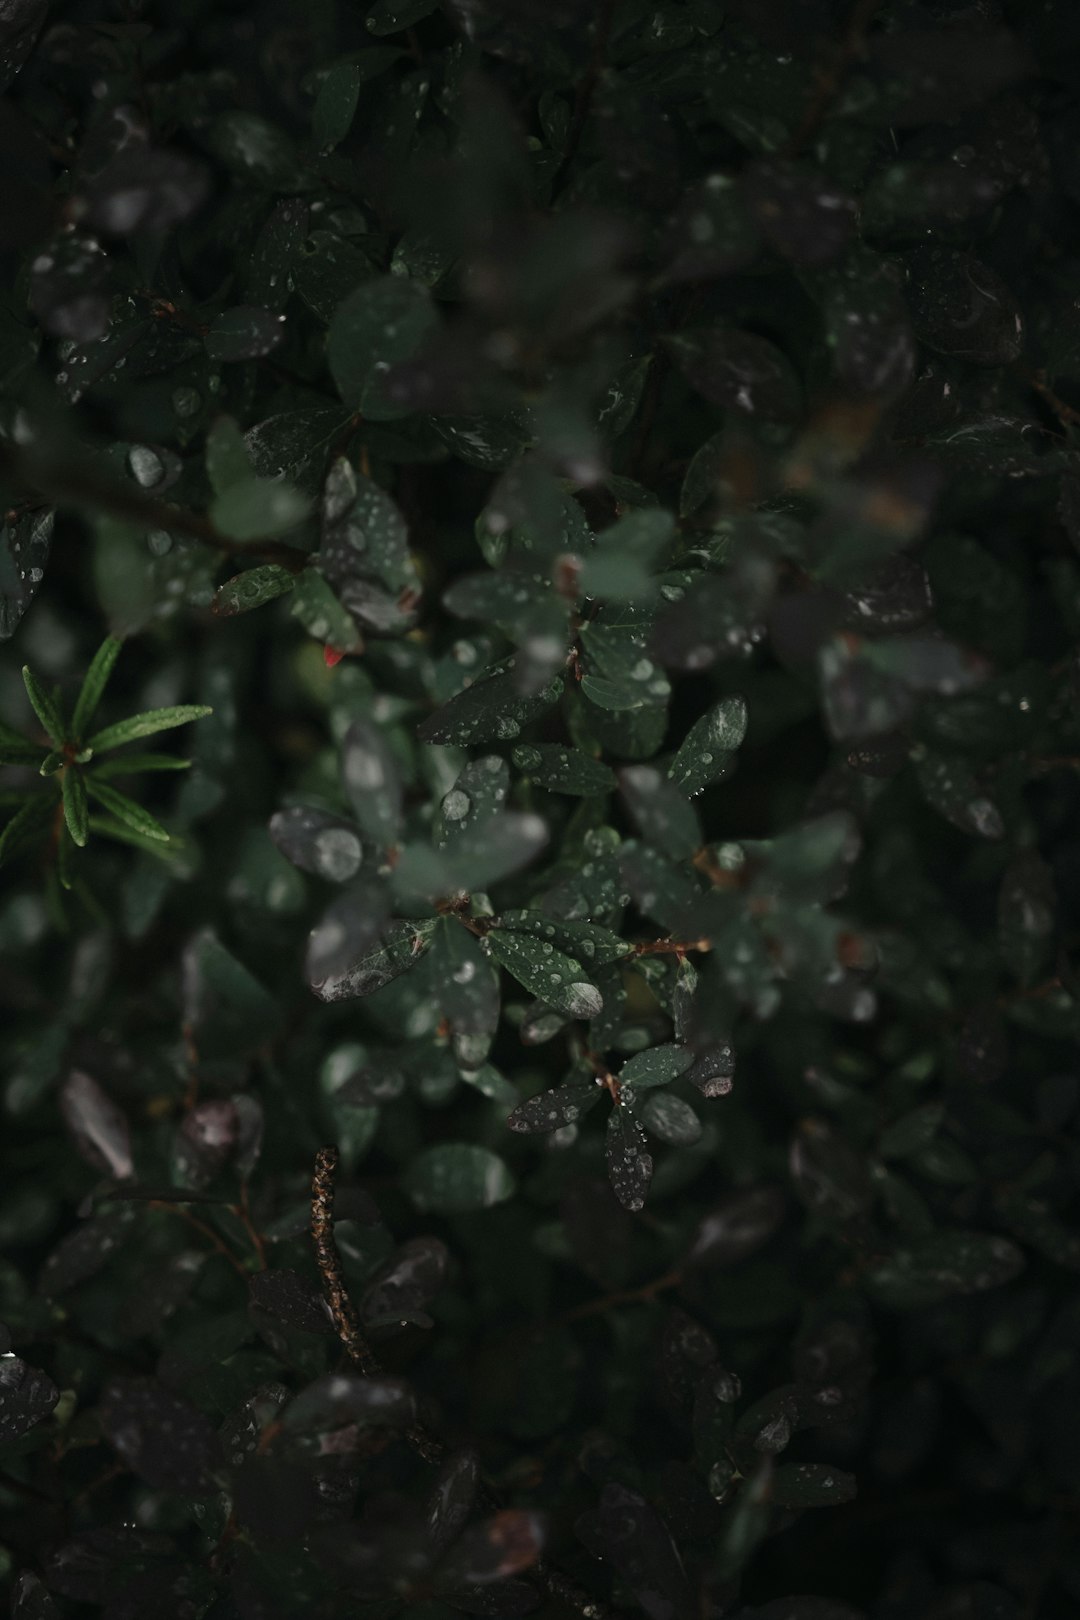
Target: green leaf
(16, 749)
(133, 764)
(655, 1067)
(545, 972)
(335, 105)
(372, 782)
(226, 1009)
(252, 589)
(564, 770)
(258, 509)
(126, 810)
(629, 1163)
(551, 1110)
(52, 762)
(227, 458)
(663, 817)
(73, 789)
(322, 615)
(671, 1119)
(400, 946)
(620, 565)
(706, 752)
(587, 941)
(45, 707)
(146, 724)
(457, 1177)
(93, 686)
(381, 323)
(491, 710)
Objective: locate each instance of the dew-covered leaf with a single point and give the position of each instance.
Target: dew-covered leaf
(457, 1177)
(629, 1163)
(327, 846)
(401, 1289)
(252, 589)
(339, 971)
(491, 710)
(24, 554)
(706, 751)
(587, 941)
(564, 770)
(655, 1067)
(27, 1396)
(546, 972)
(551, 1110)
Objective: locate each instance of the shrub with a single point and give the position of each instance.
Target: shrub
(540, 780)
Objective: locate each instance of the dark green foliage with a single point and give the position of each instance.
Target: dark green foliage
(604, 477)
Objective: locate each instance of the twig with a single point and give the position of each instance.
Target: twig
(217, 1243)
(643, 1295)
(425, 1444)
(330, 1268)
(243, 1215)
(831, 77)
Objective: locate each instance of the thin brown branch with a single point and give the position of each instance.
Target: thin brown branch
(243, 1214)
(217, 1243)
(331, 1271)
(643, 1295)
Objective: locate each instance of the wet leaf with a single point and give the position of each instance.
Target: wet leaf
(339, 969)
(629, 1165)
(546, 972)
(564, 770)
(27, 1396)
(24, 556)
(551, 1110)
(316, 842)
(705, 754)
